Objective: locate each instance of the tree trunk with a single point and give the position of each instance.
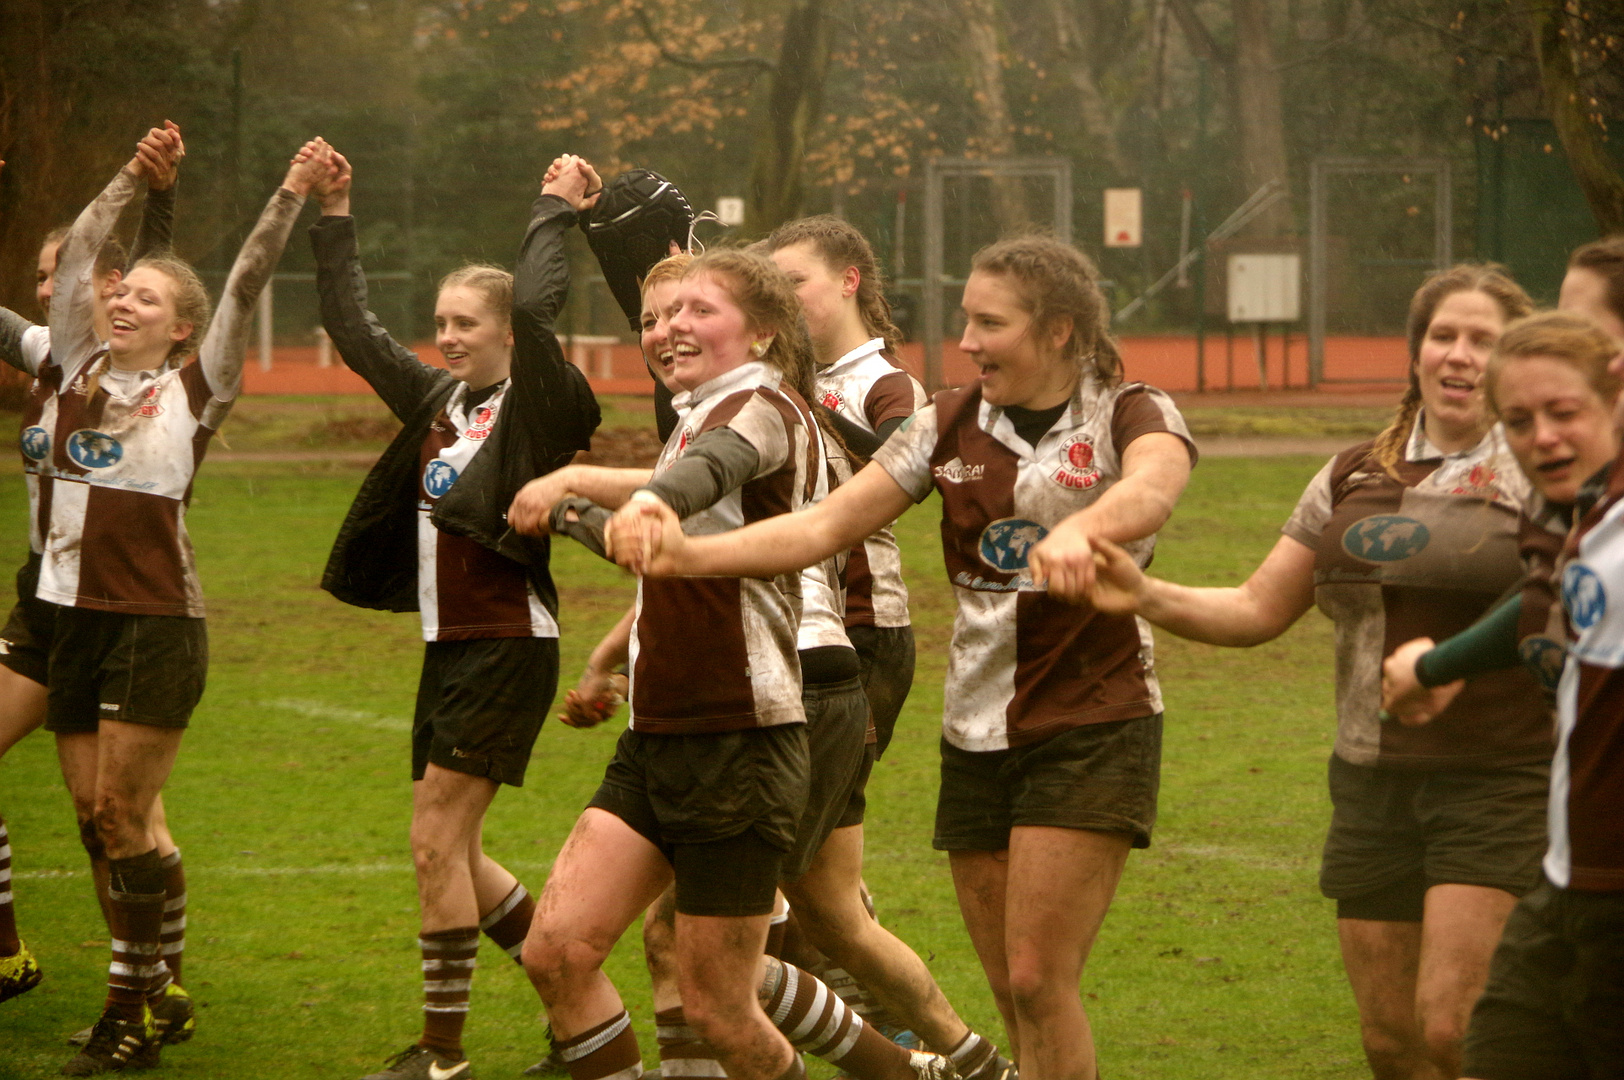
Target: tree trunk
(794, 101)
(1092, 110)
(1598, 178)
(995, 133)
(1258, 118)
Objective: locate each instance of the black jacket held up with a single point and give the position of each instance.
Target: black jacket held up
(549, 413)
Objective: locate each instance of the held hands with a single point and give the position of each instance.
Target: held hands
(332, 188)
(645, 536)
(157, 156)
(596, 698)
(1118, 585)
(313, 163)
(1064, 559)
(573, 179)
(1403, 697)
(532, 509)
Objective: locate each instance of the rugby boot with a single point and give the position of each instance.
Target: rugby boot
(553, 1063)
(174, 1016)
(420, 1063)
(19, 973)
(116, 1045)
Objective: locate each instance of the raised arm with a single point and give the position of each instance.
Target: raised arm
(650, 541)
(1277, 594)
(550, 391)
(226, 343)
(1155, 469)
(156, 233)
(394, 371)
(73, 297)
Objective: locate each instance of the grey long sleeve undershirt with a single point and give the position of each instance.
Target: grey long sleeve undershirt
(717, 462)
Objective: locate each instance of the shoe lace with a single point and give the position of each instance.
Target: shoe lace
(405, 1056)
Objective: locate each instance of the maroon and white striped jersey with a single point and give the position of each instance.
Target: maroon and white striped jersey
(125, 445)
(464, 589)
(713, 654)
(1587, 775)
(1423, 550)
(1024, 667)
(867, 387)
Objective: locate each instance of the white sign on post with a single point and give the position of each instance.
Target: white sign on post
(1264, 288)
(730, 210)
(1124, 217)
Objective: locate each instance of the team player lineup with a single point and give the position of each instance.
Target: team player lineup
(1476, 869)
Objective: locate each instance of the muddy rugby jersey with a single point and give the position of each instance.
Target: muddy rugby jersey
(713, 654)
(464, 589)
(1587, 776)
(33, 440)
(1424, 553)
(1024, 666)
(868, 387)
(124, 446)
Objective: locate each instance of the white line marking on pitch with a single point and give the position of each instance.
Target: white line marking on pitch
(317, 710)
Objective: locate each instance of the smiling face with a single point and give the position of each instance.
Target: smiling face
(1020, 363)
(476, 342)
(1454, 351)
(710, 335)
(1558, 427)
(826, 294)
(656, 323)
(143, 324)
(45, 287)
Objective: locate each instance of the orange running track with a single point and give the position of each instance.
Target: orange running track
(1352, 364)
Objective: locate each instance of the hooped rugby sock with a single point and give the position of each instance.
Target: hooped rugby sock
(9, 942)
(857, 997)
(682, 1051)
(136, 897)
(605, 1052)
(796, 1070)
(448, 976)
(508, 922)
(973, 1054)
(815, 1020)
(174, 930)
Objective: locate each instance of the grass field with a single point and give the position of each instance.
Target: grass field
(290, 802)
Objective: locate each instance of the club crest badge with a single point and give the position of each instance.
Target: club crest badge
(1385, 538)
(484, 417)
(1480, 481)
(94, 449)
(438, 476)
(1583, 595)
(35, 442)
(1007, 542)
(150, 406)
(1077, 469)
(832, 400)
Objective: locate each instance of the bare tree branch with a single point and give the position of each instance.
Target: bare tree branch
(756, 62)
(1201, 41)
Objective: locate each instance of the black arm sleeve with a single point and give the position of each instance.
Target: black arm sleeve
(889, 428)
(552, 393)
(858, 439)
(583, 521)
(394, 371)
(719, 461)
(1489, 644)
(156, 234)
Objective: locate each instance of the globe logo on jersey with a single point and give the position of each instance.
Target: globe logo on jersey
(438, 477)
(1385, 538)
(1583, 596)
(94, 449)
(1544, 658)
(1006, 543)
(36, 443)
